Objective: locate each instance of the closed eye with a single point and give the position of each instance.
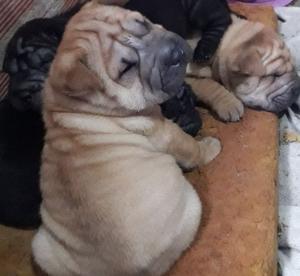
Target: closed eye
(128, 66)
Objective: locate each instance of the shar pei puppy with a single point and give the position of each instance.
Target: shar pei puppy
(252, 67)
(115, 201)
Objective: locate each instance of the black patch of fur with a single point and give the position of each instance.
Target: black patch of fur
(21, 142)
(28, 57)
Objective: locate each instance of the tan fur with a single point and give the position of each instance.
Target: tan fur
(250, 58)
(218, 98)
(115, 201)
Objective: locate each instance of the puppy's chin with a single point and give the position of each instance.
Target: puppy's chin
(172, 79)
(166, 93)
(284, 100)
(156, 97)
(271, 93)
(276, 105)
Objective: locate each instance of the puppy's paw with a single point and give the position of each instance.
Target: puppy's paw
(209, 149)
(230, 110)
(203, 54)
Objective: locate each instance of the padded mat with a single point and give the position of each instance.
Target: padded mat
(238, 232)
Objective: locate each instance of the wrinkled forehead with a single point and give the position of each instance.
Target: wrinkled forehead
(115, 20)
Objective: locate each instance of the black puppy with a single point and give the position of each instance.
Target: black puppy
(28, 57)
(210, 17)
(21, 142)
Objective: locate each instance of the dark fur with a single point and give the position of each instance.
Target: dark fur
(28, 58)
(21, 142)
(210, 17)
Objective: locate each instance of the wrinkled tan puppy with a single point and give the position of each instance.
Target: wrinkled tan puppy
(255, 68)
(115, 201)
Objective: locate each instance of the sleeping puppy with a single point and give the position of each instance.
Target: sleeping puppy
(255, 68)
(184, 17)
(115, 201)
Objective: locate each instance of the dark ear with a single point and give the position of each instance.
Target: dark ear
(249, 62)
(70, 73)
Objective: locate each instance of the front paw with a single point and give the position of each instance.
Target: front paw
(209, 149)
(203, 54)
(229, 110)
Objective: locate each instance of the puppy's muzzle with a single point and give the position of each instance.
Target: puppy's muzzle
(164, 57)
(174, 57)
(283, 100)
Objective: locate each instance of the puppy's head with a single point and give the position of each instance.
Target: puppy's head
(111, 58)
(27, 60)
(269, 93)
(257, 67)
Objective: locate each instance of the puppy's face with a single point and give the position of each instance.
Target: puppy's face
(113, 58)
(270, 93)
(258, 67)
(27, 60)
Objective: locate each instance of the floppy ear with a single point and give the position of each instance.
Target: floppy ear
(70, 73)
(249, 62)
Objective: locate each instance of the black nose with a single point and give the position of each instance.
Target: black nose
(177, 55)
(174, 55)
